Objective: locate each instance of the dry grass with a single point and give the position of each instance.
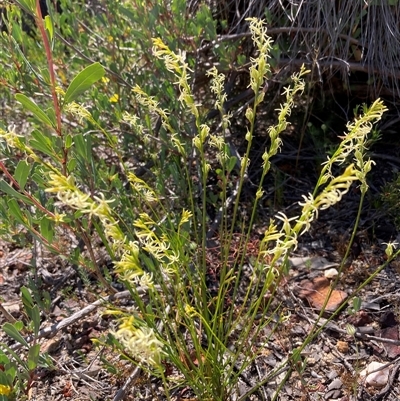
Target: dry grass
(330, 36)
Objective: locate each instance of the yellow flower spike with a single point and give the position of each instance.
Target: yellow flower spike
(59, 182)
(186, 215)
(129, 263)
(140, 342)
(158, 43)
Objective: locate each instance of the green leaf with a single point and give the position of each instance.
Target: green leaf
(49, 26)
(12, 371)
(28, 5)
(4, 380)
(68, 141)
(19, 325)
(34, 314)
(46, 229)
(50, 111)
(356, 304)
(22, 172)
(83, 146)
(12, 332)
(33, 356)
(15, 211)
(34, 108)
(14, 355)
(9, 190)
(31, 308)
(71, 165)
(41, 143)
(231, 163)
(16, 32)
(3, 358)
(83, 81)
(39, 180)
(27, 299)
(80, 145)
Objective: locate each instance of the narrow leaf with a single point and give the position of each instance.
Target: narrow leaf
(34, 314)
(9, 190)
(28, 5)
(46, 229)
(15, 211)
(231, 163)
(12, 332)
(68, 141)
(22, 172)
(33, 356)
(83, 81)
(34, 108)
(27, 299)
(49, 26)
(13, 354)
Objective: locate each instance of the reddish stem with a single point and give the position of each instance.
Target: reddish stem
(39, 23)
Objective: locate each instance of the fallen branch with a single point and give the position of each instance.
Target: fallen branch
(51, 331)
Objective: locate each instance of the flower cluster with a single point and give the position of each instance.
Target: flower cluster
(141, 342)
(334, 187)
(70, 195)
(78, 111)
(164, 248)
(15, 141)
(259, 66)
(175, 62)
(148, 101)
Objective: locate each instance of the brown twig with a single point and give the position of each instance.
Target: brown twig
(51, 331)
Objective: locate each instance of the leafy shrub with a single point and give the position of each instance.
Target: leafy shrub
(71, 173)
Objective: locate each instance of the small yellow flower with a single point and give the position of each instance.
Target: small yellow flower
(390, 246)
(190, 311)
(59, 217)
(4, 389)
(114, 98)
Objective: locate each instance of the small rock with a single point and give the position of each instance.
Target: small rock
(376, 378)
(331, 273)
(316, 375)
(333, 394)
(332, 374)
(335, 385)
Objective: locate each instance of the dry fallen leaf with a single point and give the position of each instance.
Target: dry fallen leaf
(342, 346)
(316, 292)
(391, 333)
